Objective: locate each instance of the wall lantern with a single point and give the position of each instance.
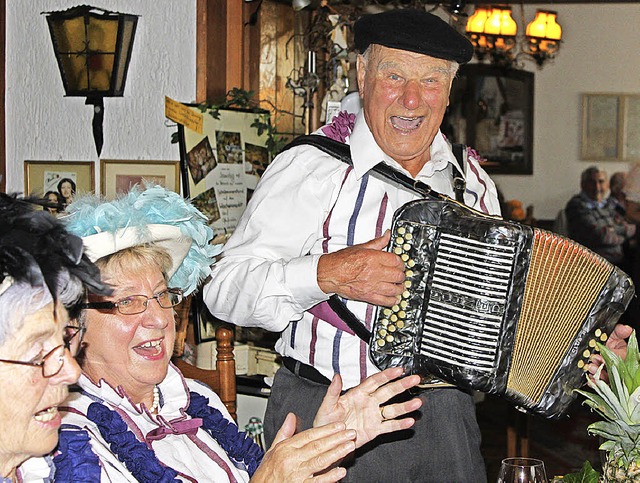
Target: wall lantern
(93, 49)
(493, 31)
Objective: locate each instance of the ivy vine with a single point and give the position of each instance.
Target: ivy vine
(238, 98)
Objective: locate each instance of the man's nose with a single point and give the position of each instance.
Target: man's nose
(410, 98)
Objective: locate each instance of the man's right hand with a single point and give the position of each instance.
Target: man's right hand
(363, 272)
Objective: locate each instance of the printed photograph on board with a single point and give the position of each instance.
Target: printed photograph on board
(201, 160)
(229, 147)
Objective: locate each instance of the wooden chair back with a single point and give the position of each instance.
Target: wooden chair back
(223, 378)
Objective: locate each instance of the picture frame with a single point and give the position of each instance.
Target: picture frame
(610, 127)
(41, 177)
(491, 111)
(118, 175)
(222, 162)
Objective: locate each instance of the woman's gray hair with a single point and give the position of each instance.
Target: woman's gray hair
(17, 303)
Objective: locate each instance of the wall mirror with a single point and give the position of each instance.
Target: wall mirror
(491, 110)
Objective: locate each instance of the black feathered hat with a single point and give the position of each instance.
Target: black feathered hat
(415, 31)
(36, 249)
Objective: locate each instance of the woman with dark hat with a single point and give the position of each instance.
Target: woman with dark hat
(42, 270)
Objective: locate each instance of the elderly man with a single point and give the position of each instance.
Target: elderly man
(593, 221)
(316, 226)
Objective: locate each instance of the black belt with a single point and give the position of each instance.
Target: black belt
(305, 371)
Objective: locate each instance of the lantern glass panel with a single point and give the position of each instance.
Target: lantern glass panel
(102, 34)
(100, 69)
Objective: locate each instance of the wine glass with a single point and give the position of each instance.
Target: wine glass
(522, 470)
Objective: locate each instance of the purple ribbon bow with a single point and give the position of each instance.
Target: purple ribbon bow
(189, 426)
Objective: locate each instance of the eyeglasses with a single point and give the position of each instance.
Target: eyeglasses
(136, 304)
(52, 362)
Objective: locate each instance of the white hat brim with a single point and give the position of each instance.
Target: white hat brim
(168, 237)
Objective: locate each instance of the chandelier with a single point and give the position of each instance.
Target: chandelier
(493, 32)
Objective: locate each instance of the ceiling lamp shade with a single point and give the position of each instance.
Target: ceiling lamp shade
(543, 36)
(493, 31)
(93, 49)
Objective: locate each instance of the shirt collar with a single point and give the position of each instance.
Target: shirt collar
(366, 153)
(591, 203)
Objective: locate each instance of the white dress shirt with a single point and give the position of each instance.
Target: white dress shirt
(306, 204)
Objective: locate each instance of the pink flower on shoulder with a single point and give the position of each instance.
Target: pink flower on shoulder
(340, 127)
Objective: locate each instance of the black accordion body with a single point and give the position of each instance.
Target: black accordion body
(496, 306)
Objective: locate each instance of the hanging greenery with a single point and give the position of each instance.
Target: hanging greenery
(238, 98)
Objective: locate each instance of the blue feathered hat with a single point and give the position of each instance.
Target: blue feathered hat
(151, 215)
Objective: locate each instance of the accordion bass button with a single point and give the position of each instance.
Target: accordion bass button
(397, 250)
(404, 304)
(382, 332)
(411, 263)
(395, 308)
(402, 314)
(399, 240)
(407, 283)
(581, 364)
(603, 337)
(598, 332)
(389, 338)
(406, 247)
(586, 353)
(380, 342)
(592, 343)
(405, 258)
(406, 294)
(401, 230)
(391, 328)
(408, 236)
(393, 318)
(400, 324)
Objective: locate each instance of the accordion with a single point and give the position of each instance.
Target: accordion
(496, 306)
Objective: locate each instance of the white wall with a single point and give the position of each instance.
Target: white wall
(600, 54)
(42, 124)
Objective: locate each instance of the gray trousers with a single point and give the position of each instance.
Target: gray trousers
(442, 447)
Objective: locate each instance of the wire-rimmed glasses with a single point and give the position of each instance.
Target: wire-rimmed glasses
(52, 362)
(137, 304)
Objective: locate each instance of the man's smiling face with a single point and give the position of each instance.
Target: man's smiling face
(405, 96)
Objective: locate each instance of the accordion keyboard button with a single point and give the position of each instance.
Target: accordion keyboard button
(586, 353)
(400, 324)
(603, 337)
(411, 263)
(598, 332)
(581, 364)
(592, 343)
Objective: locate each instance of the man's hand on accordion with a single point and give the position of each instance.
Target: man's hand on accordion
(363, 272)
(617, 343)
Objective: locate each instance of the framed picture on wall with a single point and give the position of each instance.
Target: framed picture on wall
(65, 179)
(117, 176)
(491, 111)
(610, 127)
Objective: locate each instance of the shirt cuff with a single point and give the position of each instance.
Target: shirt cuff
(302, 273)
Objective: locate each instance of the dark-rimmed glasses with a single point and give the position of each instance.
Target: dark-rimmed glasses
(52, 362)
(137, 304)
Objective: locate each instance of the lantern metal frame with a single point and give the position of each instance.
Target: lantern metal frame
(126, 30)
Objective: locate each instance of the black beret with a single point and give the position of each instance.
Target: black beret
(415, 31)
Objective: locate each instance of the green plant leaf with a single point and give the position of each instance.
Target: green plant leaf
(586, 475)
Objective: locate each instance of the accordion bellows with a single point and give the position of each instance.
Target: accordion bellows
(497, 306)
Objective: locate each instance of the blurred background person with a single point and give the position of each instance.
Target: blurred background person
(53, 198)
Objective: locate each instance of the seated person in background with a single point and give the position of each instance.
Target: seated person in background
(134, 417)
(41, 269)
(617, 198)
(593, 221)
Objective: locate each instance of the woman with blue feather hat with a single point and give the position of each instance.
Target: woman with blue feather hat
(133, 416)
